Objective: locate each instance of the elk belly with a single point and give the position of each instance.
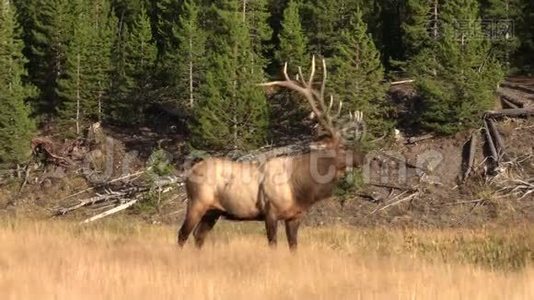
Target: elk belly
(239, 198)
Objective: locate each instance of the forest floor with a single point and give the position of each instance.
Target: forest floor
(422, 187)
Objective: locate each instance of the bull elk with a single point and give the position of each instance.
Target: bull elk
(279, 188)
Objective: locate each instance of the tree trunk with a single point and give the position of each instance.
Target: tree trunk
(191, 99)
(78, 94)
(436, 19)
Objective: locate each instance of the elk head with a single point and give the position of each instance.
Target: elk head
(339, 136)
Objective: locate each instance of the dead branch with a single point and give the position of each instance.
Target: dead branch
(402, 82)
(112, 211)
(89, 201)
(139, 173)
(476, 201)
(27, 171)
(520, 188)
(410, 197)
(415, 139)
(391, 186)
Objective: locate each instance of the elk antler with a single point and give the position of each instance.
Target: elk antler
(315, 98)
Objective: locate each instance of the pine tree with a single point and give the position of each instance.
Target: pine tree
(73, 86)
(164, 16)
(84, 88)
(499, 17)
(324, 19)
(358, 76)
(293, 47)
(320, 18)
(456, 77)
(256, 15)
(526, 34)
(233, 112)
(134, 58)
(105, 30)
(48, 43)
(190, 60)
(16, 127)
(421, 26)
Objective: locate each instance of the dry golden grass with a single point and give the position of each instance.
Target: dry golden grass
(43, 260)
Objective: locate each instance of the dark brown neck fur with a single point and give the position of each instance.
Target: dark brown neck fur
(308, 189)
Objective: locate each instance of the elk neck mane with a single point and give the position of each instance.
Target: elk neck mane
(306, 187)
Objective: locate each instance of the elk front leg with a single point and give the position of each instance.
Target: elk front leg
(292, 227)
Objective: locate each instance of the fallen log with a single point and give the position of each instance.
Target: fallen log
(90, 201)
(471, 156)
(509, 103)
(264, 153)
(491, 144)
(112, 211)
(518, 87)
(416, 139)
(498, 141)
(108, 183)
(512, 112)
(513, 96)
(118, 208)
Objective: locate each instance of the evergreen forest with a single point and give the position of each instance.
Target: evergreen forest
(67, 64)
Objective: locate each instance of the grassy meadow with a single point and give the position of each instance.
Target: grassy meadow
(122, 259)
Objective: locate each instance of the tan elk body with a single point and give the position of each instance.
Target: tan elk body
(277, 189)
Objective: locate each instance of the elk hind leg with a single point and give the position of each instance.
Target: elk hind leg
(271, 223)
(292, 227)
(205, 226)
(192, 218)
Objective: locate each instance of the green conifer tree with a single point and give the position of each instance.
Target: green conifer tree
(499, 18)
(164, 16)
(256, 14)
(16, 127)
(358, 77)
(190, 61)
(73, 86)
(133, 59)
(52, 27)
(85, 86)
(293, 47)
(233, 112)
(421, 26)
(457, 76)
